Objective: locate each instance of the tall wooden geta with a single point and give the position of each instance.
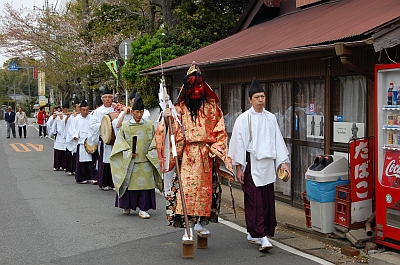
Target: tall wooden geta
(202, 240)
(187, 249)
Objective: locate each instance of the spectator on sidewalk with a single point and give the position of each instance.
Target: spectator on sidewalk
(257, 150)
(10, 120)
(41, 120)
(21, 121)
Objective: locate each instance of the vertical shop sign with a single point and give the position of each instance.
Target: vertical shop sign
(41, 83)
(361, 179)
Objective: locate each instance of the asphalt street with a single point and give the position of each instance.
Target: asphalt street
(47, 218)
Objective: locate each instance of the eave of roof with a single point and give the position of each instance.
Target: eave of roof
(318, 26)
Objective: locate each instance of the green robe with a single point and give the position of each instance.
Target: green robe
(142, 172)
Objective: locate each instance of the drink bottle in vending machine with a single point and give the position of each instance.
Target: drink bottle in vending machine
(390, 94)
(387, 155)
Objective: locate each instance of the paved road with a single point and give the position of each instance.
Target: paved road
(46, 218)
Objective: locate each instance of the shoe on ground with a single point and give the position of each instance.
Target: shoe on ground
(94, 182)
(144, 215)
(105, 188)
(201, 230)
(253, 240)
(41, 136)
(127, 211)
(55, 169)
(69, 173)
(82, 182)
(265, 244)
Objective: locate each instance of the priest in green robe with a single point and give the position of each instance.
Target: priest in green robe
(134, 164)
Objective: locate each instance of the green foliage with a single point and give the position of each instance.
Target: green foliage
(201, 23)
(146, 51)
(204, 22)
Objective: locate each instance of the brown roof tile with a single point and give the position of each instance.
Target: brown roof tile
(322, 24)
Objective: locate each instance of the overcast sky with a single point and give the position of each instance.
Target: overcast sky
(29, 4)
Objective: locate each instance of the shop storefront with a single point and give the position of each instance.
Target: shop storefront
(317, 74)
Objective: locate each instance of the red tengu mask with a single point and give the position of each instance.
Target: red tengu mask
(196, 89)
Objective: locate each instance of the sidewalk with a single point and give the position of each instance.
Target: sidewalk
(292, 231)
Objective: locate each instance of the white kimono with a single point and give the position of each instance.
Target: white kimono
(57, 127)
(94, 126)
(80, 128)
(71, 145)
(259, 134)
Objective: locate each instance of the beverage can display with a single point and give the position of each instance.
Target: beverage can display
(390, 138)
(390, 119)
(398, 139)
(395, 139)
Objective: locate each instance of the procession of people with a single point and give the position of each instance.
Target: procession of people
(120, 149)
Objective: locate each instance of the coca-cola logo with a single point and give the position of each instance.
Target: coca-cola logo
(392, 169)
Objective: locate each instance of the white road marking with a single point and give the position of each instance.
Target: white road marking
(280, 245)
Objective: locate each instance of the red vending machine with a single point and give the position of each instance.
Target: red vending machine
(387, 133)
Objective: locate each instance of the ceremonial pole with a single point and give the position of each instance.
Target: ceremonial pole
(187, 245)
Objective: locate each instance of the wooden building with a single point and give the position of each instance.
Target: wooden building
(315, 59)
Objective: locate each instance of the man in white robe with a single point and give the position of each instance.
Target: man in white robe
(257, 149)
(80, 132)
(104, 177)
(71, 149)
(56, 126)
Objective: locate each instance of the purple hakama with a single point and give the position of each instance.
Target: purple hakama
(104, 177)
(70, 161)
(59, 159)
(259, 206)
(143, 199)
(84, 170)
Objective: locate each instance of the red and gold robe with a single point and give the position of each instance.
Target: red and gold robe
(200, 182)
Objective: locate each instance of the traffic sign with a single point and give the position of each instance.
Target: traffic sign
(125, 49)
(13, 66)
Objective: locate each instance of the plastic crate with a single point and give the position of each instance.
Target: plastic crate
(343, 207)
(307, 208)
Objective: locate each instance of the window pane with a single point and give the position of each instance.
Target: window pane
(231, 105)
(308, 116)
(280, 98)
(349, 108)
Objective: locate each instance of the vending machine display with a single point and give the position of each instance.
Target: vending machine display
(387, 132)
